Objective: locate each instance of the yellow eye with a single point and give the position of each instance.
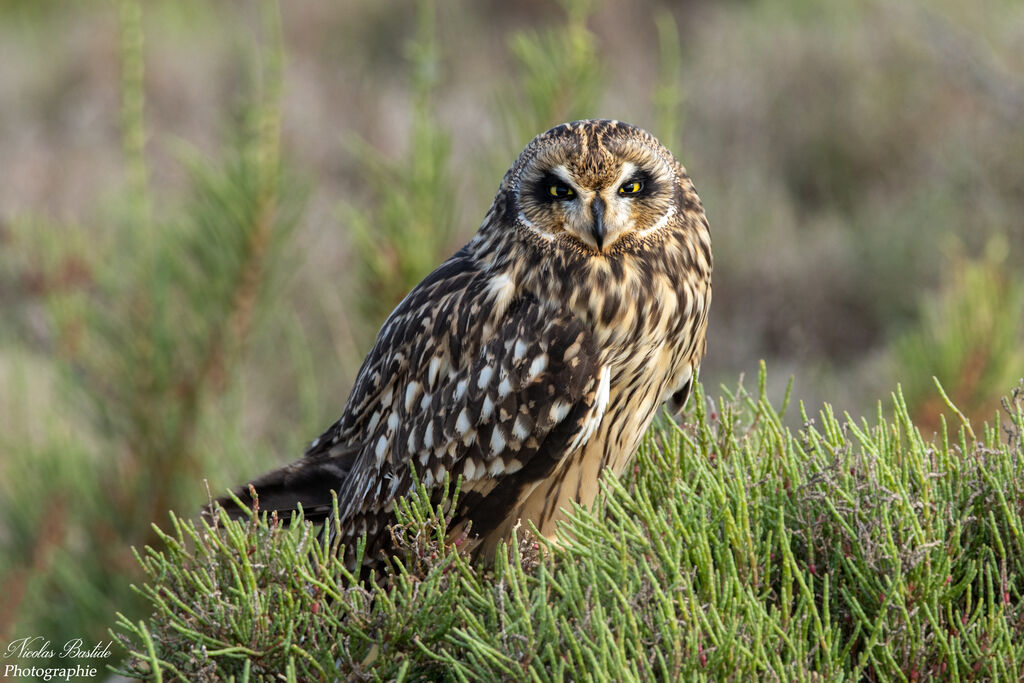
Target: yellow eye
(560, 191)
(632, 187)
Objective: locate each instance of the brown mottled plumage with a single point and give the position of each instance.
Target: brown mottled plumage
(532, 359)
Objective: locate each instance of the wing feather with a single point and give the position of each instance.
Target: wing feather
(495, 415)
(457, 383)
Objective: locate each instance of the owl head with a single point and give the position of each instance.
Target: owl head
(595, 186)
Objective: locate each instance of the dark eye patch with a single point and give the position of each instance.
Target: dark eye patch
(647, 185)
(551, 188)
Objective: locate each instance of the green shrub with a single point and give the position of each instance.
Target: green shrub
(409, 225)
(737, 549)
(970, 338)
(559, 76)
(149, 326)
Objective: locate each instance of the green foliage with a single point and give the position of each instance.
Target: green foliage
(667, 99)
(737, 549)
(133, 134)
(408, 227)
(158, 335)
(149, 326)
(560, 75)
(971, 337)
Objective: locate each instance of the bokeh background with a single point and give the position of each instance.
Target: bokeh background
(207, 209)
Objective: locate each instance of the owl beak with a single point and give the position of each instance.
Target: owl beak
(597, 229)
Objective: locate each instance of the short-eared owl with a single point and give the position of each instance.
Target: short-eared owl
(532, 359)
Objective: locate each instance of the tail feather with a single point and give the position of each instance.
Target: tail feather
(308, 482)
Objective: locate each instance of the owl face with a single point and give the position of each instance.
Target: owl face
(595, 186)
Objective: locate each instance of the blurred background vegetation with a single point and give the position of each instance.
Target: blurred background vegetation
(207, 209)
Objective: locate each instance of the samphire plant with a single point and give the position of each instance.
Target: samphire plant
(738, 548)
